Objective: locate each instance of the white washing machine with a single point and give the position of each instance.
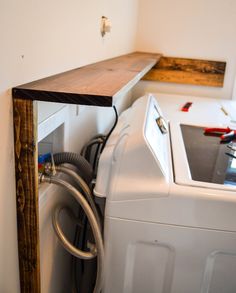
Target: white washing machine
(170, 216)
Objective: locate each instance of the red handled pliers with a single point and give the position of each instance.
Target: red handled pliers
(226, 134)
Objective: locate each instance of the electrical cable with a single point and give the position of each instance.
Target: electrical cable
(95, 159)
(90, 144)
(79, 241)
(114, 125)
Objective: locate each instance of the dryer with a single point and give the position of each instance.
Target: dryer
(170, 226)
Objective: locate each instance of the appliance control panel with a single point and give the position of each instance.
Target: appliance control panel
(156, 134)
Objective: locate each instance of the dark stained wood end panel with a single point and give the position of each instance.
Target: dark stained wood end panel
(26, 195)
(95, 84)
(188, 71)
(60, 97)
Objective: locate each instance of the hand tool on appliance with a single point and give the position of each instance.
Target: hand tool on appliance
(226, 134)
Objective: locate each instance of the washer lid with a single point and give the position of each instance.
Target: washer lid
(201, 160)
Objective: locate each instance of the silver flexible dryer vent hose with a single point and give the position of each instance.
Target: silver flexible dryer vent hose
(93, 223)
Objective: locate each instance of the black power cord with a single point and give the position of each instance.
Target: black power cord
(114, 125)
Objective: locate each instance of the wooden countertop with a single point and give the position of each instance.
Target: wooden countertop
(96, 84)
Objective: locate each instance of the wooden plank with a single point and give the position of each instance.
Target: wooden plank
(27, 195)
(188, 71)
(95, 84)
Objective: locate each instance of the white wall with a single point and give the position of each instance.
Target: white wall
(41, 38)
(203, 29)
(38, 39)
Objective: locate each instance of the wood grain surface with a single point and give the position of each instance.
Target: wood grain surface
(95, 84)
(188, 71)
(26, 195)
